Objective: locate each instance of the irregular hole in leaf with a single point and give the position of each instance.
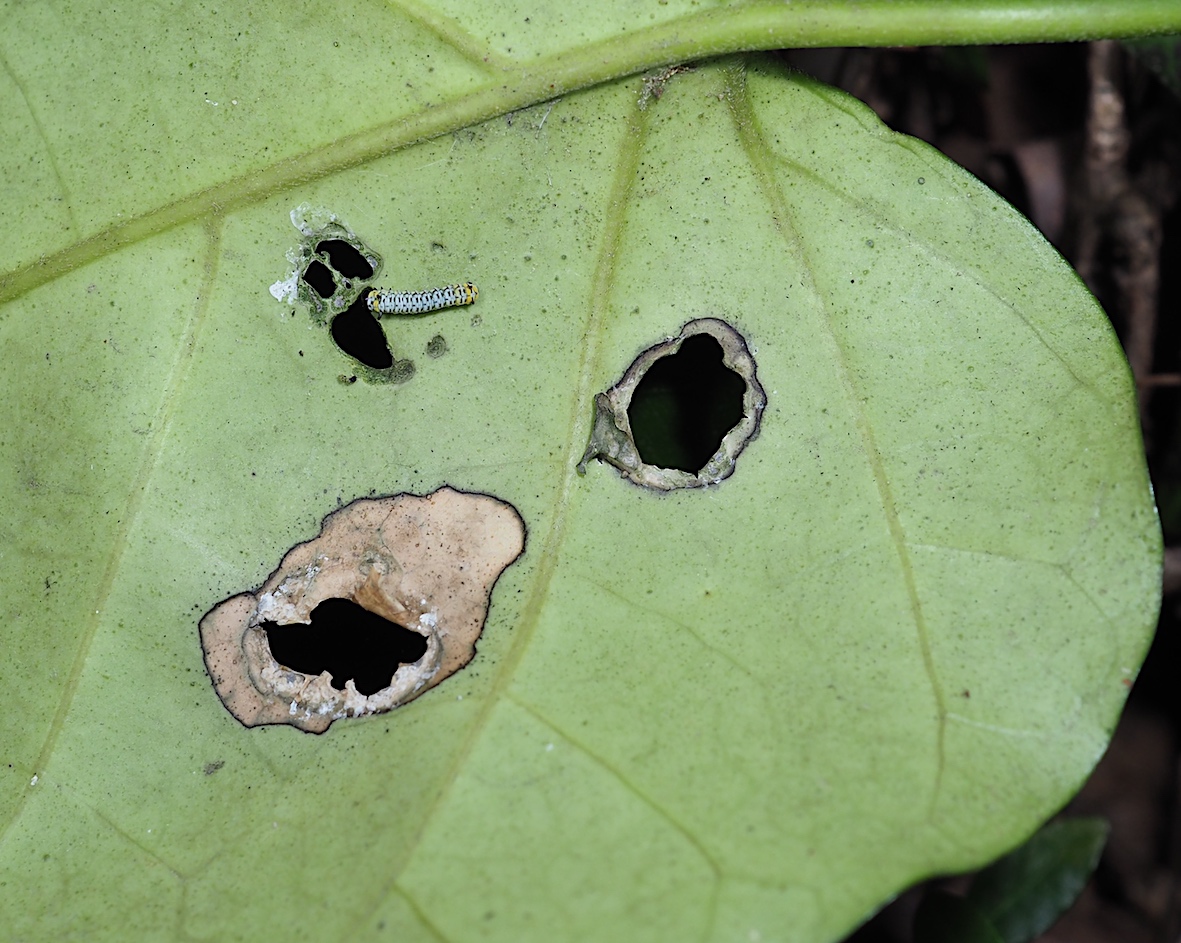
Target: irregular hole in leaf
(328, 251)
(319, 276)
(612, 439)
(428, 563)
(357, 333)
(345, 258)
(684, 405)
(348, 642)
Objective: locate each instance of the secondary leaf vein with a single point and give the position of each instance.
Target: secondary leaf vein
(762, 163)
(138, 488)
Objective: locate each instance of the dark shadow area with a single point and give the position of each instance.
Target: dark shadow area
(348, 642)
(345, 258)
(684, 406)
(318, 275)
(358, 334)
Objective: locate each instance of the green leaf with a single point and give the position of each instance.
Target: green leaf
(947, 918)
(1026, 891)
(891, 642)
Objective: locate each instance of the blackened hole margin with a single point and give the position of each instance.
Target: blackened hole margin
(349, 642)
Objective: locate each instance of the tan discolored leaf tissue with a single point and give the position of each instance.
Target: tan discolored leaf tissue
(428, 563)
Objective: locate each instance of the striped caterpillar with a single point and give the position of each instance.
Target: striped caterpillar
(419, 302)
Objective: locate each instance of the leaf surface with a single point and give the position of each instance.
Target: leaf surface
(892, 642)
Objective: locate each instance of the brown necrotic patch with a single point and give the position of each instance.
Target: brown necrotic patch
(698, 387)
(426, 564)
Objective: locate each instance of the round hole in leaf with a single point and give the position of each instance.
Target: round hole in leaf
(358, 334)
(684, 405)
(347, 641)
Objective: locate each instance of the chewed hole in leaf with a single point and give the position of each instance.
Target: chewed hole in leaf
(331, 263)
(684, 404)
(345, 258)
(409, 565)
(318, 275)
(349, 642)
(683, 412)
(357, 333)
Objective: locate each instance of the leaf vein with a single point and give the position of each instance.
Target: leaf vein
(49, 149)
(664, 814)
(548, 554)
(762, 162)
(449, 31)
(136, 492)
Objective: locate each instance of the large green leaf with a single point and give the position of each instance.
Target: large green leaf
(891, 643)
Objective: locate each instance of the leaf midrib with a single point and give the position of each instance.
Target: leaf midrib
(748, 27)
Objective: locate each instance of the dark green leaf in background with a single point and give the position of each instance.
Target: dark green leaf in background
(1024, 892)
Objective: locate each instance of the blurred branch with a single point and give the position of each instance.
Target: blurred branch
(1172, 576)
(1122, 220)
